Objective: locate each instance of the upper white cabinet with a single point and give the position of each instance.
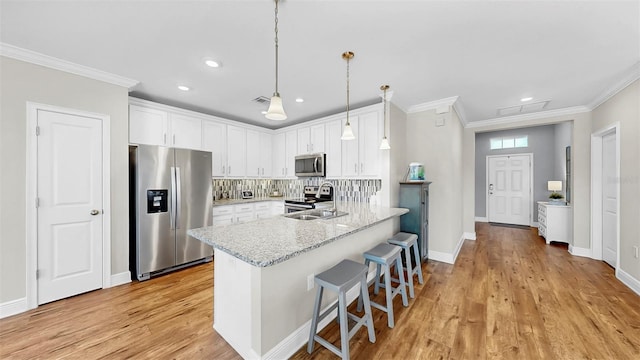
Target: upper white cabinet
(186, 132)
(147, 126)
(361, 157)
(214, 139)
(258, 154)
(333, 148)
(156, 127)
(311, 139)
(236, 151)
(285, 147)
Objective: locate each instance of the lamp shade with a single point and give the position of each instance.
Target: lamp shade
(347, 134)
(384, 145)
(276, 111)
(554, 185)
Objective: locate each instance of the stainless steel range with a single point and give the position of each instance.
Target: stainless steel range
(310, 201)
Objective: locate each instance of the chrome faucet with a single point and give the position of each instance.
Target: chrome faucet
(333, 194)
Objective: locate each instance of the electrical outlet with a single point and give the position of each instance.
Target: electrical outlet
(636, 252)
(310, 282)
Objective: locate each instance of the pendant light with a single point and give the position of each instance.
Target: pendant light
(384, 145)
(276, 111)
(347, 134)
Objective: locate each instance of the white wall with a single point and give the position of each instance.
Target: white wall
(624, 108)
(439, 148)
(22, 82)
(397, 134)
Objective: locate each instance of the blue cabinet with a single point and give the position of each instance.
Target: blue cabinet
(415, 197)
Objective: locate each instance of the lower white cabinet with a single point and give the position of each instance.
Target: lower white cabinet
(555, 222)
(241, 213)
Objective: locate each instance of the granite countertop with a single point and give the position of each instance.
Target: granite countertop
(270, 241)
(246, 201)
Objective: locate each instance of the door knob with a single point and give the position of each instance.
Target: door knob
(95, 212)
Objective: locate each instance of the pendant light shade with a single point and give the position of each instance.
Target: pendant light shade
(347, 134)
(384, 145)
(276, 111)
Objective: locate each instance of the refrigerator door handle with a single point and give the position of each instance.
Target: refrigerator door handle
(178, 198)
(173, 207)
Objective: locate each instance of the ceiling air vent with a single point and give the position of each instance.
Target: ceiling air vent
(261, 100)
(519, 109)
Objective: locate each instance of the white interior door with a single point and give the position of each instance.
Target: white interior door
(509, 189)
(69, 187)
(609, 200)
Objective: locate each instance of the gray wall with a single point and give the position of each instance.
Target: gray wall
(542, 144)
(22, 82)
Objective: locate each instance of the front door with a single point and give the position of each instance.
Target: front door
(609, 200)
(69, 186)
(509, 189)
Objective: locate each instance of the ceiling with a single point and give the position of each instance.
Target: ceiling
(489, 54)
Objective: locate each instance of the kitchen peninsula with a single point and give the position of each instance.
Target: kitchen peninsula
(263, 269)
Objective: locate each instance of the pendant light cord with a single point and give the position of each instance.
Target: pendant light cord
(276, 31)
(384, 124)
(348, 90)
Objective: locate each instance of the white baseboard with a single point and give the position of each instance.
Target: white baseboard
(121, 278)
(578, 251)
(534, 224)
(292, 343)
(470, 235)
(482, 219)
(441, 256)
(631, 282)
(13, 307)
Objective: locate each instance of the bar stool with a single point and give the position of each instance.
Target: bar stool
(340, 279)
(407, 241)
(384, 255)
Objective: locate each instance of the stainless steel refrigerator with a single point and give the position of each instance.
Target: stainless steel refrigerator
(170, 192)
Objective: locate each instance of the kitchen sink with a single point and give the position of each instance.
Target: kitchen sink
(323, 214)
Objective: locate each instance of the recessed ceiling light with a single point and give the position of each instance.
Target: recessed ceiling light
(264, 112)
(526, 99)
(212, 63)
(183, 88)
(299, 100)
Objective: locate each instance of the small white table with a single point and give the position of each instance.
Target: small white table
(555, 222)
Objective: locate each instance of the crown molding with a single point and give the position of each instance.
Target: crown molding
(531, 116)
(459, 109)
(432, 105)
(631, 75)
(33, 57)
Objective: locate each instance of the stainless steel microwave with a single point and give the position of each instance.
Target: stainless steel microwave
(311, 165)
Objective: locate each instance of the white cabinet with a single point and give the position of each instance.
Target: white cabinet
(277, 208)
(236, 151)
(186, 132)
(147, 126)
(157, 127)
(284, 153)
(361, 157)
(555, 222)
(222, 215)
(258, 154)
(263, 209)
(311, 139)
(333, 148)
(214, 139)
(243, 213)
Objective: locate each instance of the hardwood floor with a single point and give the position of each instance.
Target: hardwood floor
(508, 296)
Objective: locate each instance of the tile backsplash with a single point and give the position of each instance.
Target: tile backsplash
(357, 190)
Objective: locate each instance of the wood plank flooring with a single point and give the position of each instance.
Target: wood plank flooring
(509, 296)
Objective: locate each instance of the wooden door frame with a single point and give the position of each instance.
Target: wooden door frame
(32, 191)
(486, 184)
(596, 191)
